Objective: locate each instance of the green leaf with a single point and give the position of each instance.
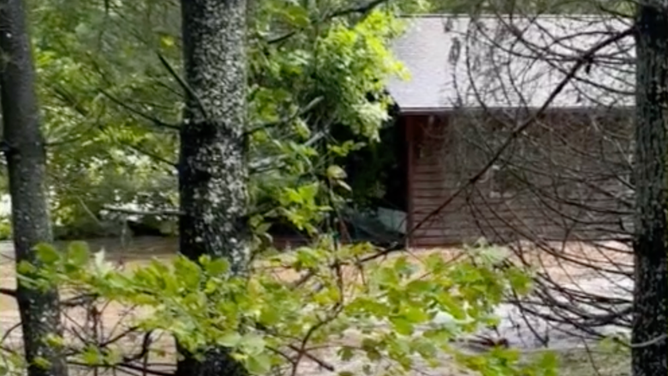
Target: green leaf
(230, 339)
(549, 361)
(78, 253)
(258, 364)
(269, 316)
(387, 277)
(336, 173)
(520, 282)
(252, 344)
(91, 356)
(414, 315)
(24, 267)
(297, 15)
(54, 340)
(218, 267)
(402, 326)
(346, 353)
(426, 348)
(167, 41)
(47, 253)
(41, 362)
(344, 185)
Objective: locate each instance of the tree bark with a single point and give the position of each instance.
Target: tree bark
(212, 166)
(650, 321)
(26, 163)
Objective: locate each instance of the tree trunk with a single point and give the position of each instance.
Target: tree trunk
(212, 167)
(650, 321)
(26, 164)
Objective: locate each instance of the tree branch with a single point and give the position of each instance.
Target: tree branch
(144, 115)
(288, 119)
(256, 167)
(173, 213)
(360, 8)
(151, 155)
(184, 85)
(8, 292)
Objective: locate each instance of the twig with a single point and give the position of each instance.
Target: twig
(79, 300)
(85, 113)
(647, 343)
(8, 292)
(288, 119)
(9, 332)
(184, 85)
(151, 155)
(267, 163)
(362, 8)
(142, 114)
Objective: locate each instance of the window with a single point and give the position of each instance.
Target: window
(504, 181)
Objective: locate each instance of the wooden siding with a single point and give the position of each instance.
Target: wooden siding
(563, 179)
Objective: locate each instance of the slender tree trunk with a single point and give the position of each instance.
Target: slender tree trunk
(26, 164)
(650, 321)
(213, 172)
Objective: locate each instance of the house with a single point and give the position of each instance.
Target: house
(472, 81)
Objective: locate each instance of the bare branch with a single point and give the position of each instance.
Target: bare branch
(142, 114)
(153, 156)
(8, 292)
(173, 213)
(184, 85)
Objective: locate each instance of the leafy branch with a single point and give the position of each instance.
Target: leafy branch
(363, 9)
(296, 115)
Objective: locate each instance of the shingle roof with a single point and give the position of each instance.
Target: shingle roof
(511, 62)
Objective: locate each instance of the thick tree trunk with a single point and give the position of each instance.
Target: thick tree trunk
(650, 322)
(213, 171)
(26, 164)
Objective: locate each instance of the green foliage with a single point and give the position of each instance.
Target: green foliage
(11, 364)
(5, 228)
(388, 307)
(90, 62)
(109, 103)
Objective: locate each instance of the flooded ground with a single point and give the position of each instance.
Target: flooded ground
(515, 328)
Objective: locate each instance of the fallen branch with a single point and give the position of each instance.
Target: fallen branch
(173, 213)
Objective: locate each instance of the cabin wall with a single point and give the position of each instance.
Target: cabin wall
(566, 178)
